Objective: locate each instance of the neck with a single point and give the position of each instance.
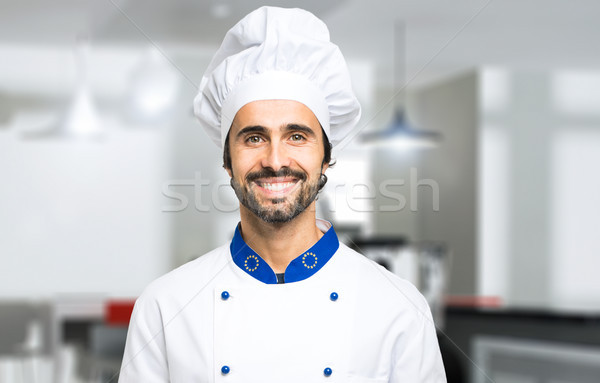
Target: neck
(279, 243)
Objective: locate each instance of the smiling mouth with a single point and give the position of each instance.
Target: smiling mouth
(278, 186)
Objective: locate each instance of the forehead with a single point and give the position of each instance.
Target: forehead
(274, 114)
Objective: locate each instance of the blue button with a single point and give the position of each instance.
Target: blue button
(327, 371)
(225, 370)
(334, 296)
(224, 295)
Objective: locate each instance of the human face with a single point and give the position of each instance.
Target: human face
(277, 154)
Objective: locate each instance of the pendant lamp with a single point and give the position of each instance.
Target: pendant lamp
(80, 117)
(399, 132)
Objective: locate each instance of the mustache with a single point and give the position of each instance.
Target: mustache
(268, 173)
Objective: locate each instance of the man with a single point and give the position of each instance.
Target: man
(284, 301)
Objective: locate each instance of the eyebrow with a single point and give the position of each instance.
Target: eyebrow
(300, 128)
(251, 129)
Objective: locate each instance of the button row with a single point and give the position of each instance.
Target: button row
(333, 296)
(327, 371)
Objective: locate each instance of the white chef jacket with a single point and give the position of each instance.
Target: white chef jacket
(339, 317)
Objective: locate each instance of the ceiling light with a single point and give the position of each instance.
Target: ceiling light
(399, 133)
(80, 118)
(154, 89)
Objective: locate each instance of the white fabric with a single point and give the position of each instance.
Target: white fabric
(379, 330)
(276, 53)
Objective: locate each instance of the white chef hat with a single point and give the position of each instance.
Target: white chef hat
(277, 54)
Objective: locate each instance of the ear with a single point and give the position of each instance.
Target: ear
(228, 170)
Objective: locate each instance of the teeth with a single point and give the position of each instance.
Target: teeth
(277, 186)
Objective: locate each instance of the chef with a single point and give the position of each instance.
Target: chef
(284, 301)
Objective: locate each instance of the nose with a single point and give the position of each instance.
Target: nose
(276, 157)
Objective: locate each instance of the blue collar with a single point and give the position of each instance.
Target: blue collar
(302, 267)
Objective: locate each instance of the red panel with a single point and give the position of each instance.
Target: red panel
(118, 313)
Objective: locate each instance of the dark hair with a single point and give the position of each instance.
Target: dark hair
(326, 157)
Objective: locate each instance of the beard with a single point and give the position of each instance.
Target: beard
(277, 210)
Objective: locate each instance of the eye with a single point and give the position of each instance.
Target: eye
(297, 137)
(254, 139)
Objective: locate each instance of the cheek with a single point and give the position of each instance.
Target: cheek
(242, 163)
(311, 164)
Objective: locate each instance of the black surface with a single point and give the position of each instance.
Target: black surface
(462, 325)
(378, 242)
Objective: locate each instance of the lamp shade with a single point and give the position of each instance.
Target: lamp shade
(399, 133)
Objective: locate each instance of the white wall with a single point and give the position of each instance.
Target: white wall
(542, 143)
(81, 216)
(518, 182)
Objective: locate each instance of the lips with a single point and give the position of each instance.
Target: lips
(276, 185)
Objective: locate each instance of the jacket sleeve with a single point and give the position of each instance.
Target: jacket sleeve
(417, 357)
(145, 358)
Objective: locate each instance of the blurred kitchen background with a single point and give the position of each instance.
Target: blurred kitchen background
(486, 196)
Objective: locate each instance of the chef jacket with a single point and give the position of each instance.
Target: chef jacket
(339, 317)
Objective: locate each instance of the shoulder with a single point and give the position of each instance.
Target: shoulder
(187, 277)
(378, 284)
